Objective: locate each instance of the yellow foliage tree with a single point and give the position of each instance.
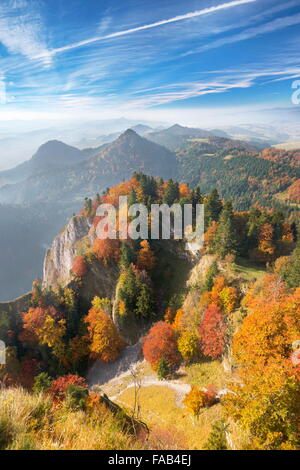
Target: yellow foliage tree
(188, 345)
(229, 298)
(195, 400)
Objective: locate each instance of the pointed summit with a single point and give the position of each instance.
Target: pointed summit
(130, 152)
(129, 133)
(56, 153)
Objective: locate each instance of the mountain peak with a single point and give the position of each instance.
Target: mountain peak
(128, 136)
(55, 152)
(129, 133)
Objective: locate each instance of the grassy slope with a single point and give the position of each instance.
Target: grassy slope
(160, 407)
(29, 422)
(248, 270)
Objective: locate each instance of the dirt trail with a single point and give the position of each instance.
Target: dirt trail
(114, 378)
(101, 373)
(180, 388)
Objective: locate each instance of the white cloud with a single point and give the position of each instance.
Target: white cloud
(183, 91)
(270, 27)
(21, 30)
(175, 19)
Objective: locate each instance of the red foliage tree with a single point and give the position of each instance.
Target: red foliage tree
(161, 343)
(79, 267)
(28, 371)
(212, 332)
(59, 386)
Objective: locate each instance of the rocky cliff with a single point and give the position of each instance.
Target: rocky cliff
(60, 257)
(100, 280)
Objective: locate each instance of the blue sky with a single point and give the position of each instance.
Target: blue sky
(151, 59)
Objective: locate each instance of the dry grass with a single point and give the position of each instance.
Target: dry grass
(206, 373)
(160, 409)
(29, 422)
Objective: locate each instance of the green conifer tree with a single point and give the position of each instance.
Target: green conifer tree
(226, 240)
(292, 273)
(163, 369)
(217, 437)
(213, 207)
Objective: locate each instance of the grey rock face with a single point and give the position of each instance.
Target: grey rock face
(60, 257)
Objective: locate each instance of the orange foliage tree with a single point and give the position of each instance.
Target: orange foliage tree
(210, 235)
(122, 189)
(184, 190)
(294, 192)
(146, 258)
(160, 343)
(178, 323)
(45, 325)
(106, 249)
(265, 251)
(105, 343)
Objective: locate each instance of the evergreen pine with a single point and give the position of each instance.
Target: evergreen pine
(213, 207)
(217, 437)
(144, 303)
(226, 241)
(210, 277)
(292, 273)
(163, 369)
(171, 194)
(127, 255)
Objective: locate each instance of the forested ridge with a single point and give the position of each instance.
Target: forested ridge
(240, 307)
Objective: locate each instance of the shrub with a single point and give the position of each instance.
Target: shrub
(59, 386)
(76, 397)
(42, 383)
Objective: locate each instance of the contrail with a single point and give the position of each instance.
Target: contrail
(192, 14)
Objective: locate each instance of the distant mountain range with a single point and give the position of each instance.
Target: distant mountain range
(58, 172)
(52, 185)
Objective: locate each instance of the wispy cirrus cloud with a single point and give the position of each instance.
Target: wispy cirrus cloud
(156, 24)
(269, 27)
(21, 29)
(183, 91)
